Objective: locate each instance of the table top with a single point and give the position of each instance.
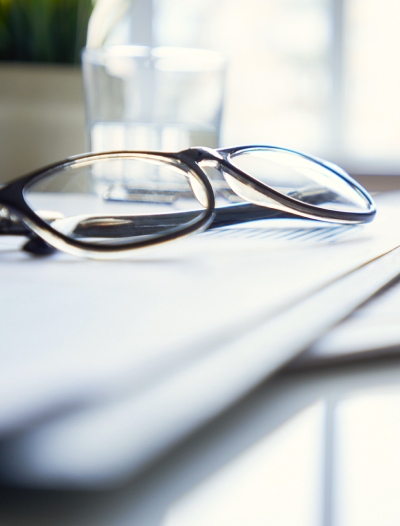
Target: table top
(306, 447)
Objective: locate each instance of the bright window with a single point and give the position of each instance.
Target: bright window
(321, 76)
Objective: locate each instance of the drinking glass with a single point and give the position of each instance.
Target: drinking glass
(143, 98)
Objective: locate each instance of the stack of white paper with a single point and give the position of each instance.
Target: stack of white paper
(104, 365)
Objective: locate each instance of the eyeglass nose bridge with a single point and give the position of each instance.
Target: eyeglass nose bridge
(205, 156)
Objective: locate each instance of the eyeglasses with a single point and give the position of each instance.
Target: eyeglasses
(106, 205)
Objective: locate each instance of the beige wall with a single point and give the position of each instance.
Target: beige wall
(379, 183)
(42, 116)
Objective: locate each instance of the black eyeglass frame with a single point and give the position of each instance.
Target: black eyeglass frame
(286, 202)
(12, 197)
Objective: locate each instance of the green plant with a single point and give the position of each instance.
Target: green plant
(43, 30)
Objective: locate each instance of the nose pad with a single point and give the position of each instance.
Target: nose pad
(198, 191)
(223, 190)
(250, 194)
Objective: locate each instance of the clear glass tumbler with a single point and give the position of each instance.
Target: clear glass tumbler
(143, 98)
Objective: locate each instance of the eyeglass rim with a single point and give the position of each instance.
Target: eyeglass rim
(13, 198)
(189, 158)
(290, 204)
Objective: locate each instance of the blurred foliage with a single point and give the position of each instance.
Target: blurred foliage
(43, 30)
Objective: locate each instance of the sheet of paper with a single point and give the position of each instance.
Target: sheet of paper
(372, 331)
(166, 340)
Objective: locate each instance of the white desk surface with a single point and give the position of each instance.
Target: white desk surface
(308, 447)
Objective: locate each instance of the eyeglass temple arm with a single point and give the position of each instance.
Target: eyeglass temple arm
(140, 225)
(11, 225)
(225, 216)
(243, 213)
(128, 226)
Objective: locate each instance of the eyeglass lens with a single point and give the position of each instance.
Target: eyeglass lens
(298, 177)
(113, 201)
